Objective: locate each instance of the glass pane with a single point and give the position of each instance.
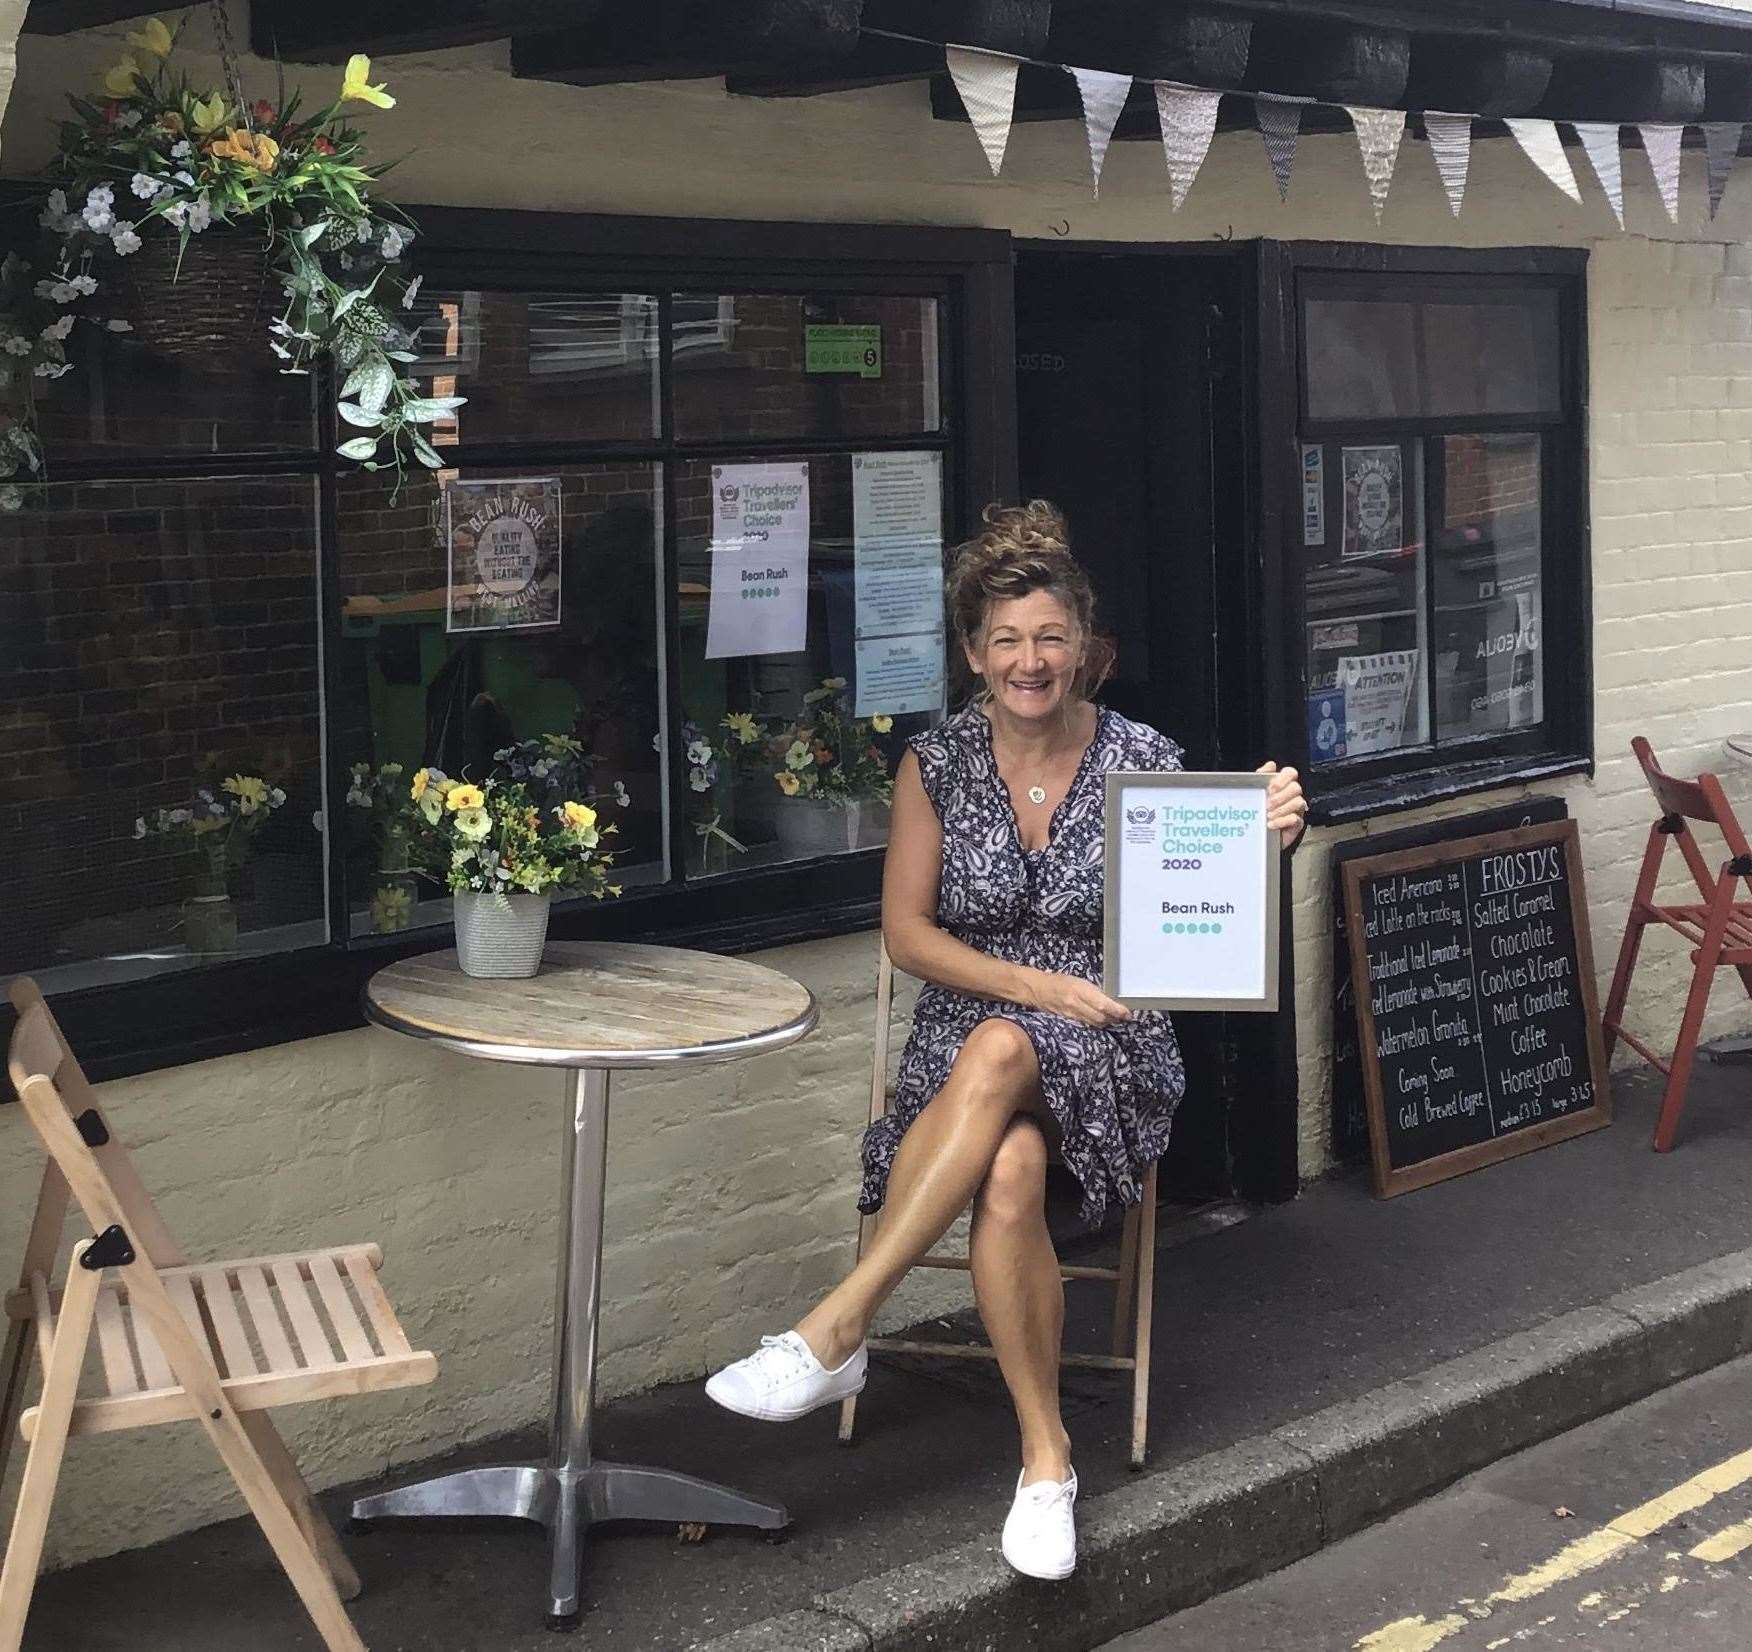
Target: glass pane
(161, 640)
(1362, 533)
(770, 365)
(1437, 356)
(446, 661)
(541, 366)
(811, 607)
(1490, 663)
(121, 399)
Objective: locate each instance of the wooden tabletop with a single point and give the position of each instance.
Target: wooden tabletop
(597, 1004)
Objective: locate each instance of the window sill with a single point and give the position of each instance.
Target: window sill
(1396, 794)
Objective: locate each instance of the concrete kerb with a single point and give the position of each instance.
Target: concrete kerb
(1171, 1539)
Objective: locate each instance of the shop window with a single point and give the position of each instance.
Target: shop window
(1440, 547)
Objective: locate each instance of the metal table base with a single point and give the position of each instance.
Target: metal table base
(571, 1491)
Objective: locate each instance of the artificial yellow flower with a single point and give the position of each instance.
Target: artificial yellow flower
(422, 779)
(251, 793)
(464, 797)
(789, 784)
(473, 821)
(255, 149)
(579, 816)
(741, 724)
(203, 824)
(354, 87)
(152, 36)
(432, 806)
(882, 722)
(208, 114)
(119, 82)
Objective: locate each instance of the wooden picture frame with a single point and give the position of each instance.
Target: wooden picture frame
(1391, 1179)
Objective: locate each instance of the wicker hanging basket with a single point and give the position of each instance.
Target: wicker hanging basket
(215, 309)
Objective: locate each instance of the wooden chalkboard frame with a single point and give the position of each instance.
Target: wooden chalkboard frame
(1391, 1180)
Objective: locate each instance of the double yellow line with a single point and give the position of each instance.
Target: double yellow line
(1624, 1531)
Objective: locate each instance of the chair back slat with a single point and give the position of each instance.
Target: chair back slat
(1701, 799)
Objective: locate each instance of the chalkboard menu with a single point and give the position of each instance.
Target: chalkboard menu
(1476, 1017)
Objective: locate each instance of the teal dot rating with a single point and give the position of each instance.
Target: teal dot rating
(1191, 929)
(758, 593)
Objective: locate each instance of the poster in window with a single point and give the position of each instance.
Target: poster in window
(504, 548)
(1375, 692)
(760, 560)
(1313, 495)
(1374, 502)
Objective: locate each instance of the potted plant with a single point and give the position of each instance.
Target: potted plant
(711, 762)
(504, 854)
(216, 827)
(833, 774)
(205, 224)
(382, 793)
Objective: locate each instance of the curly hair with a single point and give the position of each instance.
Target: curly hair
(1022, 549)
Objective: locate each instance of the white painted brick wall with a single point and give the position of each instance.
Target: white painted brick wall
(731, 1192)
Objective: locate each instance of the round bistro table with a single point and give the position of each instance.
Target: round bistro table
(594, 1009)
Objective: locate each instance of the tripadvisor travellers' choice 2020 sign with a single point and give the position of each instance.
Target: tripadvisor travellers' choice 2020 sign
(1192, 892)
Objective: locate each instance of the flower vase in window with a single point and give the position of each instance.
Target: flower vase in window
(217, 828)
(383, 793)
(833, 775)
(711, 772)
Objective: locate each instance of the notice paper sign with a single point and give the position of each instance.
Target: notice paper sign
(760, 560)
(897, 550)
(1375, 693)
(1191, 892)
(504, 547)
(836, 349)
(1374, 502)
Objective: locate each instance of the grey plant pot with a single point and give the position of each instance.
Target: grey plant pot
(500, 940)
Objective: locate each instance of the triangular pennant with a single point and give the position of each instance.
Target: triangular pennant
(1103, 93)
(1451, 144)
(1721, 146)
(1662, 144)
(987, 84)
(1544, 148)
(1600, 144)
(1189, 117)
(1280, 120)
(1378, 135)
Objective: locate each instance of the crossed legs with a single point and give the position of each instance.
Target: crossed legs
(977, 1142)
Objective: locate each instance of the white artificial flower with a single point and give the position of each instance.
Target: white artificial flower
(412, 293)
(181, 150)
(83, 284)
(55, 212)
(59, 329)
(144, 186)
(200, 216)
(128, 119)
(276, 797)
(10, 498)
(119, 326)
(139, 827)
(46, 288)
(63, 292)
(177, 215)
(362, 230)
(620, 794)
(17, 346)
(124, 240)
(699, 753)
(392, 243)
(184, 178)
(697, 779)
(98, 203)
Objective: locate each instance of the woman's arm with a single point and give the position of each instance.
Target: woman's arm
(920, 948)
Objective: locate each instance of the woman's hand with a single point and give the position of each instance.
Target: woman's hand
(1071, 996)
(1285, 806)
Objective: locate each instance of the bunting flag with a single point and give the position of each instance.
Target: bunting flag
(1103, 94)
(1662, 145)
(1544, 148)
(1721, 144)
(1378, 136)
(987, 84)
(1451, 144)
(1600, 144)
(1280, 120)
(1189, 118)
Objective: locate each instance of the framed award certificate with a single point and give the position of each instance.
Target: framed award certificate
(1191, 893)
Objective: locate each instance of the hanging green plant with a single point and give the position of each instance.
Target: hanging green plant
(227, 198)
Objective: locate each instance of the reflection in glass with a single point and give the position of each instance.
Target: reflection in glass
(161, 642)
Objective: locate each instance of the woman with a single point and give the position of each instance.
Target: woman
(992, 895)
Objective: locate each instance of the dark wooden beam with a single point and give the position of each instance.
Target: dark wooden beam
(1623, 88)
(1154, 42)
(1339, 65)
(1727, 91)
(330, 31)
(1475, 76)
(687, 39)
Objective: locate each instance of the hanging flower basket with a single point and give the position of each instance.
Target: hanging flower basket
(214, 309)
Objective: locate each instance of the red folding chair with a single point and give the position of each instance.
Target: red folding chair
(1718, 927)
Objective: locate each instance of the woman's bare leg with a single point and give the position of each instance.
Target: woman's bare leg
(1021, 1295)
(943, 1158)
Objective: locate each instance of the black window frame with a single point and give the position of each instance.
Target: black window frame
(253, 1002)
(1412, 777)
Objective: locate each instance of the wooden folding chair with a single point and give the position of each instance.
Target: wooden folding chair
(219, 1342)
(1718, 927)
(1134, 1278)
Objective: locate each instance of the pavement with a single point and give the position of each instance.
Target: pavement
(1316, 1367)
(1631, 1532)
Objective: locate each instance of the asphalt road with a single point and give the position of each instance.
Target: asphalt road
(1632, 1532)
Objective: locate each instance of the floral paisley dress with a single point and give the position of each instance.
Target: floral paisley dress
(1112, 1090)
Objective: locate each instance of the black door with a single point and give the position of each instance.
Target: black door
(1131, 417)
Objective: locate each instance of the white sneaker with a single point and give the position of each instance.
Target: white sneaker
(784, 1380)
(1040, 1535)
